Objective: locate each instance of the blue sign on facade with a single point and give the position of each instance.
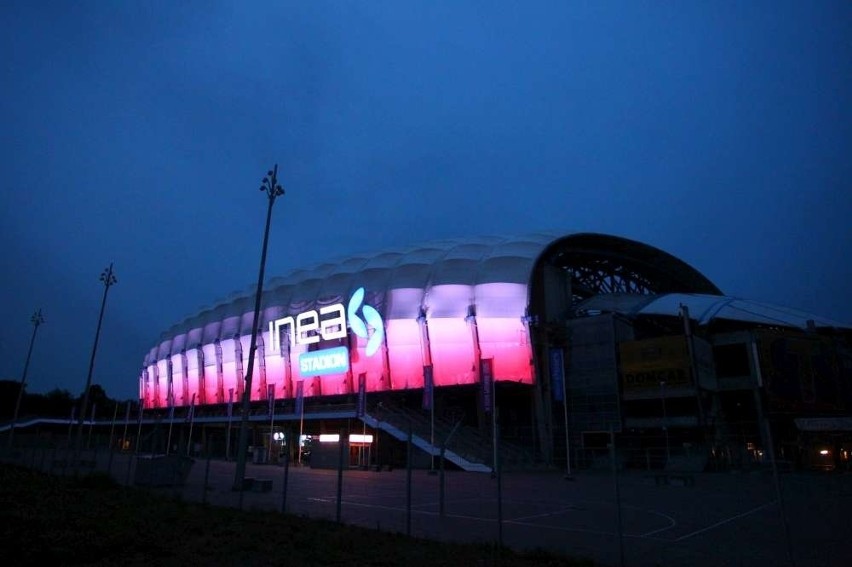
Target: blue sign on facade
(428, 387)
(327, 361)
(557, 374)
(486, 376)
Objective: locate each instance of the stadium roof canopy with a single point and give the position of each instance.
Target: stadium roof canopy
(598, 263)
(706, 308)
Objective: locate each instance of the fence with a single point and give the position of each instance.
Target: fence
(632, 505)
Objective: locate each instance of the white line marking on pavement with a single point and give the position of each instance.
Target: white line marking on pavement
(725, 521)
(664, 528)
(546, 514)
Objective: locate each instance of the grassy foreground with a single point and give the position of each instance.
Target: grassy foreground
(93, 521)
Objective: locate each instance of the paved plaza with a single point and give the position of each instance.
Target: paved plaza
(721, 519)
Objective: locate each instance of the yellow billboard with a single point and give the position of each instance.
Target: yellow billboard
(646, 363)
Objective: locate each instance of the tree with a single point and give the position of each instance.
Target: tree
(98, 399)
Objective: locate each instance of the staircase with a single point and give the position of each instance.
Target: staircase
(467, 447)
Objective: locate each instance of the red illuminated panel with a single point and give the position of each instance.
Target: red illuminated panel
(452, 350)
(211, 380)
(229, 367)
(312, 387)
(162, 384)
(372, 366)
(335, 384)
(402, 337)
(192, 375)
(506, 341)
(276, 373)
(148, 389)
(181, 397)
(230, 377)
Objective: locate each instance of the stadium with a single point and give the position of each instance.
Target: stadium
(547, 345)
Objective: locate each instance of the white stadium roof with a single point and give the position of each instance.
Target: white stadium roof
(706, 308)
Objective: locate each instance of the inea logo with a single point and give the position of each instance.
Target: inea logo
(329, 323)
(373, 319)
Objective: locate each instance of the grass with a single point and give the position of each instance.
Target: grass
(94, 521)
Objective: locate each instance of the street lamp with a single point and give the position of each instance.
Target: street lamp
(108, 279)
(273, 190)
(37, 320)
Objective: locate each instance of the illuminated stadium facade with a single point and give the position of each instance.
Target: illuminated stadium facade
(584, 333)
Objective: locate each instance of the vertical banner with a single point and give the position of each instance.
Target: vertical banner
(127, 413)
(362, 395)
(171, 408)
(270, 395)
(557, 374)
(300, 397)
(428, 386)
(486, 376)
(92, 418)
(141, 406)
(230, 402)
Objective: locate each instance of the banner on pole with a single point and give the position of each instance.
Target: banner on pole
(428, 386)
(127, 413)
(300, 397)
(94, 406)
(230, 402)
(486, 375)
(270, 395)
(362, 395)
(141, 406)
(557, 374)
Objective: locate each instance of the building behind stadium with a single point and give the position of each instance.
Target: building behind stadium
(550, 343)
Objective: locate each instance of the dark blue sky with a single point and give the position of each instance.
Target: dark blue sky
(138, 132)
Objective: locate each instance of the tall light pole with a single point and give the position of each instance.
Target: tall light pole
(665, 420)
(273, 190)
(108, 279)
(37, 320)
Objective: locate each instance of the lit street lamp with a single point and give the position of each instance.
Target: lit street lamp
(273, 190)
(108, 279)
(37, 320)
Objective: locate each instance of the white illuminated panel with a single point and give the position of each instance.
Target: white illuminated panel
(360, 439)
(329, 438)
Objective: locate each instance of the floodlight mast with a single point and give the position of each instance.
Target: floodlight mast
(108, 279)
(36, 320)
(273, 191)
